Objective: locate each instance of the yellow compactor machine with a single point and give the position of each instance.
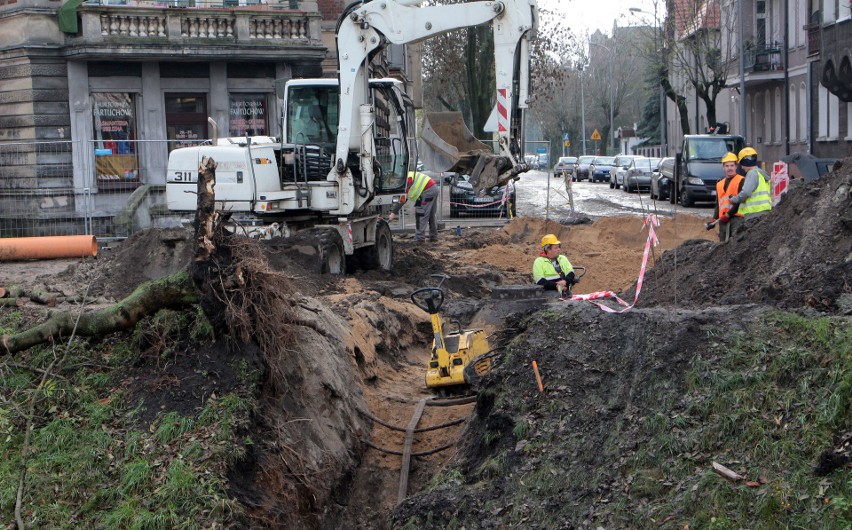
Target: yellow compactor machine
(459, 357)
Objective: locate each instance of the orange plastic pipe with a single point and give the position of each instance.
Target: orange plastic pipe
(48, 247)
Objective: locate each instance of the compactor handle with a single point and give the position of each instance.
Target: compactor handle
(429, 299)
(442, 277)
(581, 268)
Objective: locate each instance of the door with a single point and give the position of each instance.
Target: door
(186, 119)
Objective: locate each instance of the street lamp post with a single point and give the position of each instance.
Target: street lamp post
(583, 110)
(663, 132)
(611, 81)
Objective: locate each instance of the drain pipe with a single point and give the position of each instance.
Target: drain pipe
(48, 247)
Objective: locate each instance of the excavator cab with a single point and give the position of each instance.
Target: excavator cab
(457, 358)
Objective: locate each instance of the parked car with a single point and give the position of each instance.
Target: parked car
(619, 168)
(600, 168)
(701, 165)
(490, 204)
(638, 174)
(583, 163)
(662, 179)
(565, 163)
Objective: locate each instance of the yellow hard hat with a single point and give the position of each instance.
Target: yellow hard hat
(549, 239)
(747, 152)
(729, 157)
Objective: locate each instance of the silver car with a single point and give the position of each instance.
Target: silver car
(638, 174)
(619, 169)
(565, 163)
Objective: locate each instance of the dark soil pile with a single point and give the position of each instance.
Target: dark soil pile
(798, 255)
(619, 412)
(123, 266)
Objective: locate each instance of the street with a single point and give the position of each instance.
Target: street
(592, 199)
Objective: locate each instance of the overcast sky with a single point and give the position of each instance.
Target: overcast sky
(600, 14)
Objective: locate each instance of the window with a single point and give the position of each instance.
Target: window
(115, 139)
(760, 23)
(829, 14)
(247, 115)
(312, 115)
(829, 115)
(767, 118)
(792, 101)
(833, 116)
(845, 10)
(849, 121)
(186, 119)
(803, 113)
(776, 117)
(752, 101)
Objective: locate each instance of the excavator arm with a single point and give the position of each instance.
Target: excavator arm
(366, 28)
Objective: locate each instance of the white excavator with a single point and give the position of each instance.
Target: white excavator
(343, 157)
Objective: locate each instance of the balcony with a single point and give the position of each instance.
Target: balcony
(150, 28)
(766, 58)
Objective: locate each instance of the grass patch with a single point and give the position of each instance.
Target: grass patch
(766, 407)
(89, 465)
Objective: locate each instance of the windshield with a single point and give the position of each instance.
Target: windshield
(587, 159)
(312, 113)
(567, 159)
(710, 148)
(642, 163)
(604, 160)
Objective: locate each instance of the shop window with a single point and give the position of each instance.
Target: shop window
(116, 162)
(247, 115)
(186, 119)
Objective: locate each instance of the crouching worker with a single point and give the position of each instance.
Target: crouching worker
(552, 269)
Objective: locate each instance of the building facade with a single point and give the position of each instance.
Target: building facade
(788, 83)
(94, 94)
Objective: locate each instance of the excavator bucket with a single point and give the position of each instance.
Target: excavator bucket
(448, 145)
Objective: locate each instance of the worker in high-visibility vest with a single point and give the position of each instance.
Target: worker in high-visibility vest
(727, 217)
(755, 198)
(551, 269)
(424, 191)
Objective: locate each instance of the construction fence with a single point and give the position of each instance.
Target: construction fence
(113, 189)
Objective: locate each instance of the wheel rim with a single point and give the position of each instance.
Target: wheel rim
(335, 260)
(385, 250)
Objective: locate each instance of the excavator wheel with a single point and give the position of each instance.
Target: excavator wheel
(331, 253)
(378, 256)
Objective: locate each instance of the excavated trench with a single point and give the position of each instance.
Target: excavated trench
(360, 346)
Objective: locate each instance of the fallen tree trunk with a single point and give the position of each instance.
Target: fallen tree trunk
(192, 286)
(175, 291)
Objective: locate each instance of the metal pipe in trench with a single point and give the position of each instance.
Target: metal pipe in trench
(47, 247)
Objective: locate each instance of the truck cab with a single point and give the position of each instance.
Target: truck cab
(701, 165)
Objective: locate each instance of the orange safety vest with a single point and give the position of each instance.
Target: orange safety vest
(725, 195)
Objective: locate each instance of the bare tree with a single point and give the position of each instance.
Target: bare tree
(458, 69)
(698, 53)
(612, 82)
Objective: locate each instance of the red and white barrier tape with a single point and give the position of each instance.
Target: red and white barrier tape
(501, 202)
(650, 221)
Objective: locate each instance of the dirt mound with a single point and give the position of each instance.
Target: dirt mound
(123, 266)
(798, 255)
